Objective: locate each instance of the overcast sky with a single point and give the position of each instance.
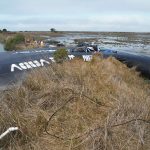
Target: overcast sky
(76, 15)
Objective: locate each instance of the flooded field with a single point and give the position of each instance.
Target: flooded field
(136, 43)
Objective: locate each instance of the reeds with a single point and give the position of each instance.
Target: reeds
(95, 105)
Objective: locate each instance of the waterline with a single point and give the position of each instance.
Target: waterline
(2, 48)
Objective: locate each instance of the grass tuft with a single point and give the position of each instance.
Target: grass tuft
(78, 105)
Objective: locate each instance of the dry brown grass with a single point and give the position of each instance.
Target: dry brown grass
(5, 36)
(100, 95)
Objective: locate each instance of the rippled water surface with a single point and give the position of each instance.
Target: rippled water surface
(137, 43)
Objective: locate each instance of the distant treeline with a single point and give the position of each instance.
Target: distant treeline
(3, 30)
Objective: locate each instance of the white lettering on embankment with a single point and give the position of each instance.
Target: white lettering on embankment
(87, 57)
(52, 59)
(71, 57)
(35, 63)
(29, 65)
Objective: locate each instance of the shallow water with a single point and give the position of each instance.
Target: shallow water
(137, 43)
(1, 48)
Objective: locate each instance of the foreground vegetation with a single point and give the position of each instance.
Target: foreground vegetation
(77, 105)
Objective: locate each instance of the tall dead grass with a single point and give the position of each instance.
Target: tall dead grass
(97, 105)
